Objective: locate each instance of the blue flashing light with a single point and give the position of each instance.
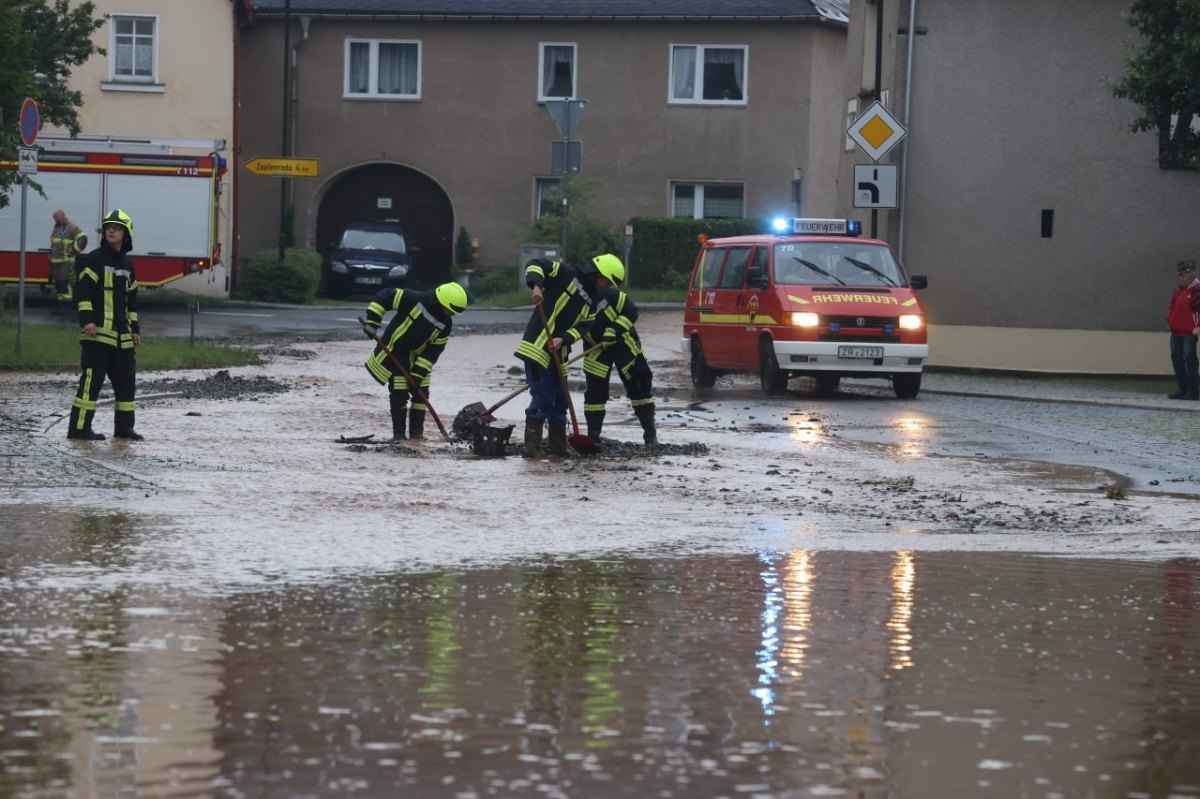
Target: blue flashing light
(853, 227)
(780, 225)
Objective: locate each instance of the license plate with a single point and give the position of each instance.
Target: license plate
(369, 281)
(860, 352)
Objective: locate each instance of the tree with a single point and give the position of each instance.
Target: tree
(587, 236)
(41, 41)
(1164, 78)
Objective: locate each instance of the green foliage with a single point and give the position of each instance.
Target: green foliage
(293, 280)
(464, 253)
(664, 249)
(492, 281)
(1164, 77)
(55, 348)
(40, 43)
(587, 236)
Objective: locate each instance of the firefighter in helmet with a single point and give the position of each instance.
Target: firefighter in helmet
(612, 327)
(106, 298)
(415, 336)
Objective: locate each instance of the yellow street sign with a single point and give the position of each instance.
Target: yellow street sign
(285, 167)
(876, 131)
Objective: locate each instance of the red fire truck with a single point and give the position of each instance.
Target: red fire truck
(173, 201)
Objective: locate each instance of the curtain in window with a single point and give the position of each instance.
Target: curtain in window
(723, 72)
(722, 202)
(397, 68)
(143, 48)
(684, 68)
(683, 201)
(360, 67)
(557, 71)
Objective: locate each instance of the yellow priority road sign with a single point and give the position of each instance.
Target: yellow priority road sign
(876, 131)
(285, 167)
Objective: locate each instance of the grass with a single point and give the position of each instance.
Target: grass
(53, 348)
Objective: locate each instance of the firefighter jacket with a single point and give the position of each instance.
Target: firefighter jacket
(612, 321)
(1183, 315)
(106, 296)
(417, 334)
(567, 301)
(67, 241)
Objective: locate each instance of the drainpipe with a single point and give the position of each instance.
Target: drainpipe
(908, 70)
(294, 106)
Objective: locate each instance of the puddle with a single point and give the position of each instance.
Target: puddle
(773, 674)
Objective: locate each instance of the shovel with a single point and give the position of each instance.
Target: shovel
(485, 413)
(582, 444)
(413, 385)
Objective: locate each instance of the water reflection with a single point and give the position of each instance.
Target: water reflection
(912, 435)
(779, 674)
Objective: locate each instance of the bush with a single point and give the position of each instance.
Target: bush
(664, 249)
(294, 280)
(493, 280)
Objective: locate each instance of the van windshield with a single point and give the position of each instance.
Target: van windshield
(835, 263)
(373, 240)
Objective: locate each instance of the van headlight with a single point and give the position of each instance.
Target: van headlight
(805, 319)
(399, 270)
(339, 267)
(911, 321)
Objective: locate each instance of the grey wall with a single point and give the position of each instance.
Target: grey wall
(479, 132)
(1011, 114)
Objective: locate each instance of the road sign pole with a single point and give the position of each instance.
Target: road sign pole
(21, 278)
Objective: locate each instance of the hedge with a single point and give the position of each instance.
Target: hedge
(267, 279)
(664, 249)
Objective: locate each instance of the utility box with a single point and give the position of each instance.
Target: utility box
(531, 251)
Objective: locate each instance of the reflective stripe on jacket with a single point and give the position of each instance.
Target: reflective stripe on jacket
(416, 335)
(106, 296)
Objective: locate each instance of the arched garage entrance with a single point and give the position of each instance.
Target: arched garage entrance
(379, 192)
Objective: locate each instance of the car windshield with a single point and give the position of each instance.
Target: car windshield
(835, 263)
(373, 240)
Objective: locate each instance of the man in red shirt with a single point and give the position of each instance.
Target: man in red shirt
(1183, 317)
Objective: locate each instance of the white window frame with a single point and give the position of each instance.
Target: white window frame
(372, 92)
(542, 96)
(133, 82)
(541, 187)
(698, 75)
(698, 187)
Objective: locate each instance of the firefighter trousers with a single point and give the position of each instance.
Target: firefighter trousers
(635, 375)
(119, 365)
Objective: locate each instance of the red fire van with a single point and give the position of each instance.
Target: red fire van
(819, 300)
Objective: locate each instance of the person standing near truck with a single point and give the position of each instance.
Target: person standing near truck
(66, 242)
(106, 297)
(1183, 317)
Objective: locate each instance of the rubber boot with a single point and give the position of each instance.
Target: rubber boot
(416, 424)
(558, 438)
(595, 424)
(86, 433)
(123, 427)
(533, 438)
(645, 415)
(399, 407)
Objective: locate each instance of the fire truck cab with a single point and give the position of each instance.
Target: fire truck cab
(814, 299)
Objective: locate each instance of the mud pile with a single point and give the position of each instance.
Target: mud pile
(220, 385)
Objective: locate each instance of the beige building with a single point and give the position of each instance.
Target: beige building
(438, 118)
(165, 85)
(1047, 229)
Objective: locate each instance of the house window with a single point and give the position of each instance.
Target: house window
(707, 200)
(708, 74)
(556, 79)
(383, 69)
(545, 195)
(133, 50)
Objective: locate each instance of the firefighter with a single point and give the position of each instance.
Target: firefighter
(66, 242)
(565, 294)
(416, 336)
(106, 298)
(612, 327)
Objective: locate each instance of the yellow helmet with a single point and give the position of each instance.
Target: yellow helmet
(119, 217)
(452, 297)
(610, 266)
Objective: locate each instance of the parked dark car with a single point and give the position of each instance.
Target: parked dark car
(371, 256)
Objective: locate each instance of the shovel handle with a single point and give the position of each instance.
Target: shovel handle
(524, 388)
(558, 368)
(413, 385)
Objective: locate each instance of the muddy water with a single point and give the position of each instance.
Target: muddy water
(778, 673)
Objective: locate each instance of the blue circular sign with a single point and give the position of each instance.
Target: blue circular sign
(31, 121)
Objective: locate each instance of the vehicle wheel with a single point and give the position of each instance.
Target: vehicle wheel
(702, 375)
(827, 385)
(773, 379)
(906, 385)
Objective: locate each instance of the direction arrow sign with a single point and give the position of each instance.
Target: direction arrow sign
(876, 131)
(285, 167)
(31, 122)
(875, 185)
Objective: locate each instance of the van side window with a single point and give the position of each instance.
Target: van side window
(735, 268)
(709, 269)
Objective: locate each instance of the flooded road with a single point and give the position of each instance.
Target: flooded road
(796, 598)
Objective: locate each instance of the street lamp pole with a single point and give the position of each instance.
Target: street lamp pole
(878, 89)
(283, 150)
